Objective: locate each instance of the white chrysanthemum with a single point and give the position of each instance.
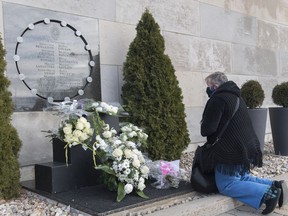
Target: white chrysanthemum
(117, 153)
(127, 171)
(128, 188)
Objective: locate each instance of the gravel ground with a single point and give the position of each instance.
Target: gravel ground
(31, 204)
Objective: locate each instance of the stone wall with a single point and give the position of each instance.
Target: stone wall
(246, 39)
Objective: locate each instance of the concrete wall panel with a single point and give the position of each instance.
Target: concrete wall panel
(192, 88)
(114, 42)
(220, 24)
(36, 148)
(249, 60)
(110, 83)
(194, 54)
(193, 119)
(177, 16)
(268, 35)
(101, 9)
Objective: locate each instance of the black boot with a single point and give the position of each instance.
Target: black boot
(271, 198)
(283, 186)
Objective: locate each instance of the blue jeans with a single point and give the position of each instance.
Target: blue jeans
(241, 185)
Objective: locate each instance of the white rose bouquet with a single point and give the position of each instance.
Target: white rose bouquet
(74, 131)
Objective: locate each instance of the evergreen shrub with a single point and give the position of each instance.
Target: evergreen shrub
(253, 94)
(9, 141)
(280, 94)
(151, 92)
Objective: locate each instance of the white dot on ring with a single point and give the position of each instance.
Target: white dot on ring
(89, 79)
(80, 92)
(16, 57)
(21, 76)
(50, 99)
(92, 63)
(20, 39)
(46, 21)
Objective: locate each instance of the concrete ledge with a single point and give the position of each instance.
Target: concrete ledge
(212, 205)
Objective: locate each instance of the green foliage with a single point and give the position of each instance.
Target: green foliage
(280, 94)
(151, 92)
(253, 94)
(9, 141)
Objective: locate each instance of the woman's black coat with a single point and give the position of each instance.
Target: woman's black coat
(239, 143)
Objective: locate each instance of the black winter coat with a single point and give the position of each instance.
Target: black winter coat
(239, 144)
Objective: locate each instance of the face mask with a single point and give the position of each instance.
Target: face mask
(210, 91)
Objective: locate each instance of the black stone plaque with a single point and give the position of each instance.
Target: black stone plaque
(49, 57)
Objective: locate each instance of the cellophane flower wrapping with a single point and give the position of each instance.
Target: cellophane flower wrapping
(166, 174)
(122, 161)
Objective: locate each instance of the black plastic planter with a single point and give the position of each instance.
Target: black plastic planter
(279, 127)
(259, 118)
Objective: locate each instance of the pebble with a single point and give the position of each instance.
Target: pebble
(31, 204)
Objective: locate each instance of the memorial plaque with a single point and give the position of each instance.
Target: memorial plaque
(51, 56)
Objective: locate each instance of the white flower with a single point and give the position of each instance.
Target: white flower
(144, 170)
(87, 125)
(67, 130)
(79, 126)
(99, 109)
(117, 142)
(69, 125)
(107, 134)
(82, 120)
(123, 137)
(132, 134)
(68, 138)
(117, 153)
(77, 133)
(95, 104)
(88, 131)
(142, 180)
(141, 186)
(83, 137)
(131, 144)
(114, 110)
(128, 153)
(136, 163)
(128, 188)
(127, 171)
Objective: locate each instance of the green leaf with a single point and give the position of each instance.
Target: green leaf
(141, 194)
(106, 169)
(121, 192)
